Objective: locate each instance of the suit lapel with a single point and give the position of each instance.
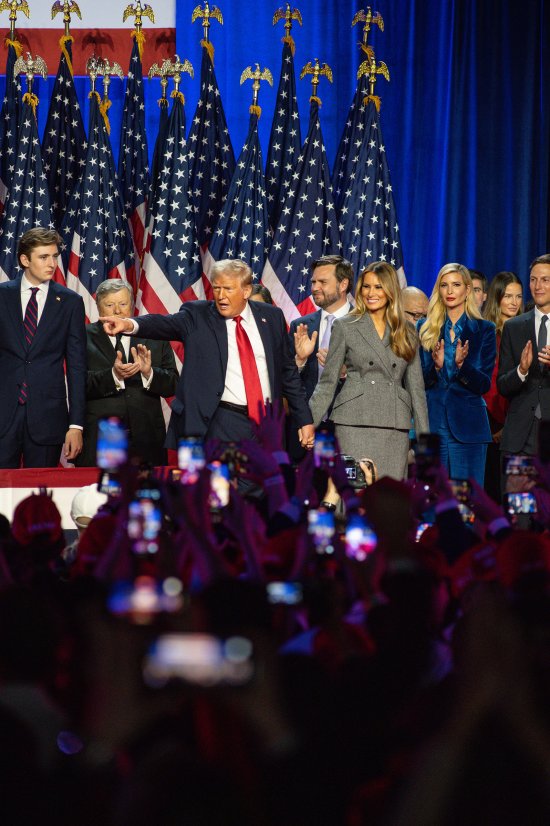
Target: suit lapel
(50, 316)
(264, 328)
(102, 341)
(366, 328)
(16, 314)
(219, 326)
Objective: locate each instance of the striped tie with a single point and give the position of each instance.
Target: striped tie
(30, 323)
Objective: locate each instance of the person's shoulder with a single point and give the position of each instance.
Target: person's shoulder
(196, 307)
(65, 292)
(310, 318)
(14, 284)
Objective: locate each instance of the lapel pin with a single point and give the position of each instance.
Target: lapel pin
(57, 298)
(264, 320)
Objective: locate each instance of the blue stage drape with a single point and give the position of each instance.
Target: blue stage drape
(465, 116)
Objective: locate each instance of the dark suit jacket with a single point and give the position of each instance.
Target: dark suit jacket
(463, 400)
(59, 341)
(203, 331)
(525, 395)
(310, 372)
(140, 409)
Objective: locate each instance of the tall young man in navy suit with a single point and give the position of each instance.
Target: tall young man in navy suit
(236, 356)
(42, 341)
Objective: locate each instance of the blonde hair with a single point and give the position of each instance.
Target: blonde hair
(403, 338)
(437, 312)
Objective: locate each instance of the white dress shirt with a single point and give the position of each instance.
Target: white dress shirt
(41, 295)
(234, 391)
(339, 313)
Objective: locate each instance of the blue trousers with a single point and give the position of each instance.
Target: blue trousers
(461, 459)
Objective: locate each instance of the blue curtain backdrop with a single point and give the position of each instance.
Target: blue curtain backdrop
(465, 116)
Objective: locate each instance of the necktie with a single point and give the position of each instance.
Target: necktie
(30, 323)
(252, 385)
(543, 333)
(119, 346)
(325, 341)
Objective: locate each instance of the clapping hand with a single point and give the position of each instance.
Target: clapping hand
(438, 354)
(461, 352)
(142, 357)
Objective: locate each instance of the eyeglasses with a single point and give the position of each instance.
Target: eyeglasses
(415, 316)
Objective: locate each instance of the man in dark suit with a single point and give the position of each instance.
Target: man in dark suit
(42, 342)
(236, 357)
(126, 378)
(331, 281)
(524, 359)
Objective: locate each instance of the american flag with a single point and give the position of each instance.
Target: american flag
(64, 141)
(344, 164)
(28, 201)
(9, 124)
(285, 140)
(133, 162)
(307, 228)
(367, 217)
(172, 270)
(158, 152)
(243, 227)
(211, 157)
(97, 242)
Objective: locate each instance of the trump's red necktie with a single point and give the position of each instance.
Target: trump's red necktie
(252, 384)
(30, 323)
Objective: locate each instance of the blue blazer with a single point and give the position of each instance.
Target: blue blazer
(59, 342)
(462, 399)
(204, 333)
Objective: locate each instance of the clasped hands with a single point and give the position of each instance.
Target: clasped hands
(141, 364)
(438, 353)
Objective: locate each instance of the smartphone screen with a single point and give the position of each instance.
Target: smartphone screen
(284, 593)
(321, 529)
(324, 448)
(515, 465)
(200, 659)
(462, 491)
(144, 524)
(112, 443)
(523, 502)
(219, 486)
(109, 484)
(191, 459)
(360, 538)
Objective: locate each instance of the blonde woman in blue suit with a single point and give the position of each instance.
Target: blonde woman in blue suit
(458, 352)
(384, 388)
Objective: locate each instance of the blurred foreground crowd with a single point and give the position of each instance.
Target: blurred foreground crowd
(291, 649)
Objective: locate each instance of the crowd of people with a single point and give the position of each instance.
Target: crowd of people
(321, 616)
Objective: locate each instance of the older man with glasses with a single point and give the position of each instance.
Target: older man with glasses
(415, 303)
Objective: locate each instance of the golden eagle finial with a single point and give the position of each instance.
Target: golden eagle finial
(14, 6)
(256, 77)
(369, 19)
(171, 68)
(30, 67)
(288, 15)
(206, 14)
(317, 71)
(66, 9)
(139, 12)
(371, 68)
(102, 67)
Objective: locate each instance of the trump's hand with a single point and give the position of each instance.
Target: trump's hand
(114, 324)
(73, 444)
(306, 434)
